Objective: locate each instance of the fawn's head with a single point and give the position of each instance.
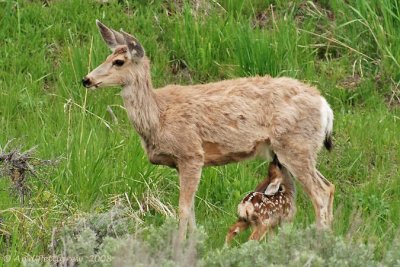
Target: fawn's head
(278, 179)
(127, 54)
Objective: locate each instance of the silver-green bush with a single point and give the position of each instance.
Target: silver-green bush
(114, 238)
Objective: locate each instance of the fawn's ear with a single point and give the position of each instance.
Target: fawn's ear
(110, 36)
(134, 46)
(272, 188)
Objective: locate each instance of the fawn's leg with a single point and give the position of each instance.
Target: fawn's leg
(189, 178)
(259, 232)
(235, 229)
(263, 231)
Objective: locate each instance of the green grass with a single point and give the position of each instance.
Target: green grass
(45, 50)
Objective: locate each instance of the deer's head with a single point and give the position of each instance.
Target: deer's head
(127, 54)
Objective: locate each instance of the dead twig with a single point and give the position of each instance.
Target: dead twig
(19, 165)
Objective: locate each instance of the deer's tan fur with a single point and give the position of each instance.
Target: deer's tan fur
(189, 127)
(272, 203)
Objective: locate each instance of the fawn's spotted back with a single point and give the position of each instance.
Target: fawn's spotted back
(268, 207)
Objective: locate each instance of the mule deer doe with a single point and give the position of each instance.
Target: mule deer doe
(272, 203)
(190, 127)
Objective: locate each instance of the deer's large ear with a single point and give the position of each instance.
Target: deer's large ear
(110, 36)
(273, 188)
(134, 46)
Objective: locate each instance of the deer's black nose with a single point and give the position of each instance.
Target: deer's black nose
(86, 82)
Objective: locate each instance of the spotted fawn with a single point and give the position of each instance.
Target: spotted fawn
(272, 202)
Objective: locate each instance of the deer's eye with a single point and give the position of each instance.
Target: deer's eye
(118, 62)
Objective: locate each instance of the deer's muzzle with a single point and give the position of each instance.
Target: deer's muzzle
(86, 82)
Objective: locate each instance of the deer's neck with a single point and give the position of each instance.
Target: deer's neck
(141, 102)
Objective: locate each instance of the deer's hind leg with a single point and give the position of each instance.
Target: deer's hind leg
(301, 163)
(332, 192)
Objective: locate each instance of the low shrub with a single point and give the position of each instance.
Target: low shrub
(115, 238)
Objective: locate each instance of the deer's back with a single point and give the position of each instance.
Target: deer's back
(244, 102)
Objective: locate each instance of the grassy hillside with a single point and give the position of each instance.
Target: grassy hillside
(351, 52)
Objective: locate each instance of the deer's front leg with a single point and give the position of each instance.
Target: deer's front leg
(189, 178)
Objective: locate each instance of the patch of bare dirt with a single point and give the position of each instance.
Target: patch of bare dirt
(264, 18)
(351, 83)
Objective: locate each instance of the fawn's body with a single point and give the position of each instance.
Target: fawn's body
(272, 203)
(189, 127)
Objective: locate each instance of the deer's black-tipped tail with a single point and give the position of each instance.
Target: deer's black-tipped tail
(328, 143)
(327, 123)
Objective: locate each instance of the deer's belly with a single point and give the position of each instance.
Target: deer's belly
(216, 154)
